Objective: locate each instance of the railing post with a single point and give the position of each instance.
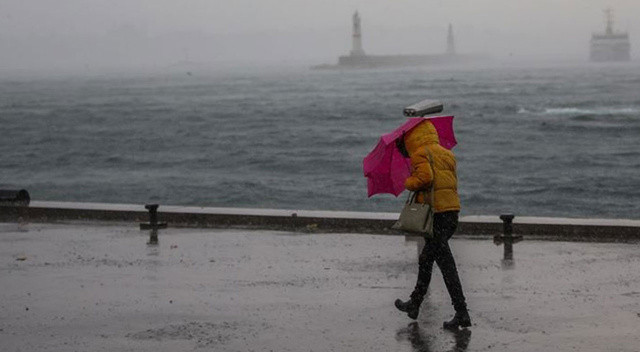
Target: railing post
(153, 223)
(507, 238)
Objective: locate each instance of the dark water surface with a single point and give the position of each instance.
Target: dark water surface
(551, 141)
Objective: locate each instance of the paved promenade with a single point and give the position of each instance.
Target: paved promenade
(81, 287)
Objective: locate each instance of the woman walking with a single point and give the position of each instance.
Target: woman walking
(431, 163)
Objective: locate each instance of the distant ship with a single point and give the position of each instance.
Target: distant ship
(610, 46)
(358, 59)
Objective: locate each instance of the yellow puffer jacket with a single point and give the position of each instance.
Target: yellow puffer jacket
(418, 141)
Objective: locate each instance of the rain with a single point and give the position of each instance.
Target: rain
(236, 176)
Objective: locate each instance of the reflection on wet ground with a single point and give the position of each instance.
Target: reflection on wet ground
(422, 340)
(103, 288)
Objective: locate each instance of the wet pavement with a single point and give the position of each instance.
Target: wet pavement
(81, 287)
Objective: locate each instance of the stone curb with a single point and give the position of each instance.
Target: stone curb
(318, 221)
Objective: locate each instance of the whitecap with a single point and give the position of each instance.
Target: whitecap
(522, 110)
(594, 111)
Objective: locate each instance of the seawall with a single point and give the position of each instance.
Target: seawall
(565, 229)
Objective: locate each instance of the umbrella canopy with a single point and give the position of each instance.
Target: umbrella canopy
(386, 169)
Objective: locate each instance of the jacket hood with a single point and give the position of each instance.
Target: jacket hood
(420, 136)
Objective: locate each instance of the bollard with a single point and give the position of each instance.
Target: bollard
(153, 219)
(153, 213)
(153, 223)
(507, 224)
(153, 237)
(507, 237)
(14, 197)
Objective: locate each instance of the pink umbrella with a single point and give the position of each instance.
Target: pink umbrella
(386, 169)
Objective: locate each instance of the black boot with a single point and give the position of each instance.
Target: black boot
(411, 307)
(461, 319)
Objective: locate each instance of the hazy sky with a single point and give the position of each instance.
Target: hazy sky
(115, 33)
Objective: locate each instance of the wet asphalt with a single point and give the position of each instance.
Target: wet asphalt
(79, 287)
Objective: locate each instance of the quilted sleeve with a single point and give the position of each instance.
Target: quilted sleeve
(421, 173)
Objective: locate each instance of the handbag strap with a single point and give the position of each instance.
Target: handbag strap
(433, 178)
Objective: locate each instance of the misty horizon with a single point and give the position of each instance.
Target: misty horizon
(74, 36)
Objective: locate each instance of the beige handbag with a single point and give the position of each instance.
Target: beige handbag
(417, 217)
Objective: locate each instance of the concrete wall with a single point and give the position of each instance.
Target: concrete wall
(318, 221)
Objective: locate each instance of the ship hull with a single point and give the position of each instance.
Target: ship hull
(605, 48)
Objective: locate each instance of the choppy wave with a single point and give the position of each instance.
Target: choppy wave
(595, 111)
(528, 142)
(581, 111)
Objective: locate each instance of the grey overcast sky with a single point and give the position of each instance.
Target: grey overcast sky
(52, 34)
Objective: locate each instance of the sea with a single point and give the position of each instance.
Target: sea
(533, 140)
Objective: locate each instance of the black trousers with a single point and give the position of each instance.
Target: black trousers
(437, 250)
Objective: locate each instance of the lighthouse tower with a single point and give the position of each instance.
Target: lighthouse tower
(451, 46)
(356, 47)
